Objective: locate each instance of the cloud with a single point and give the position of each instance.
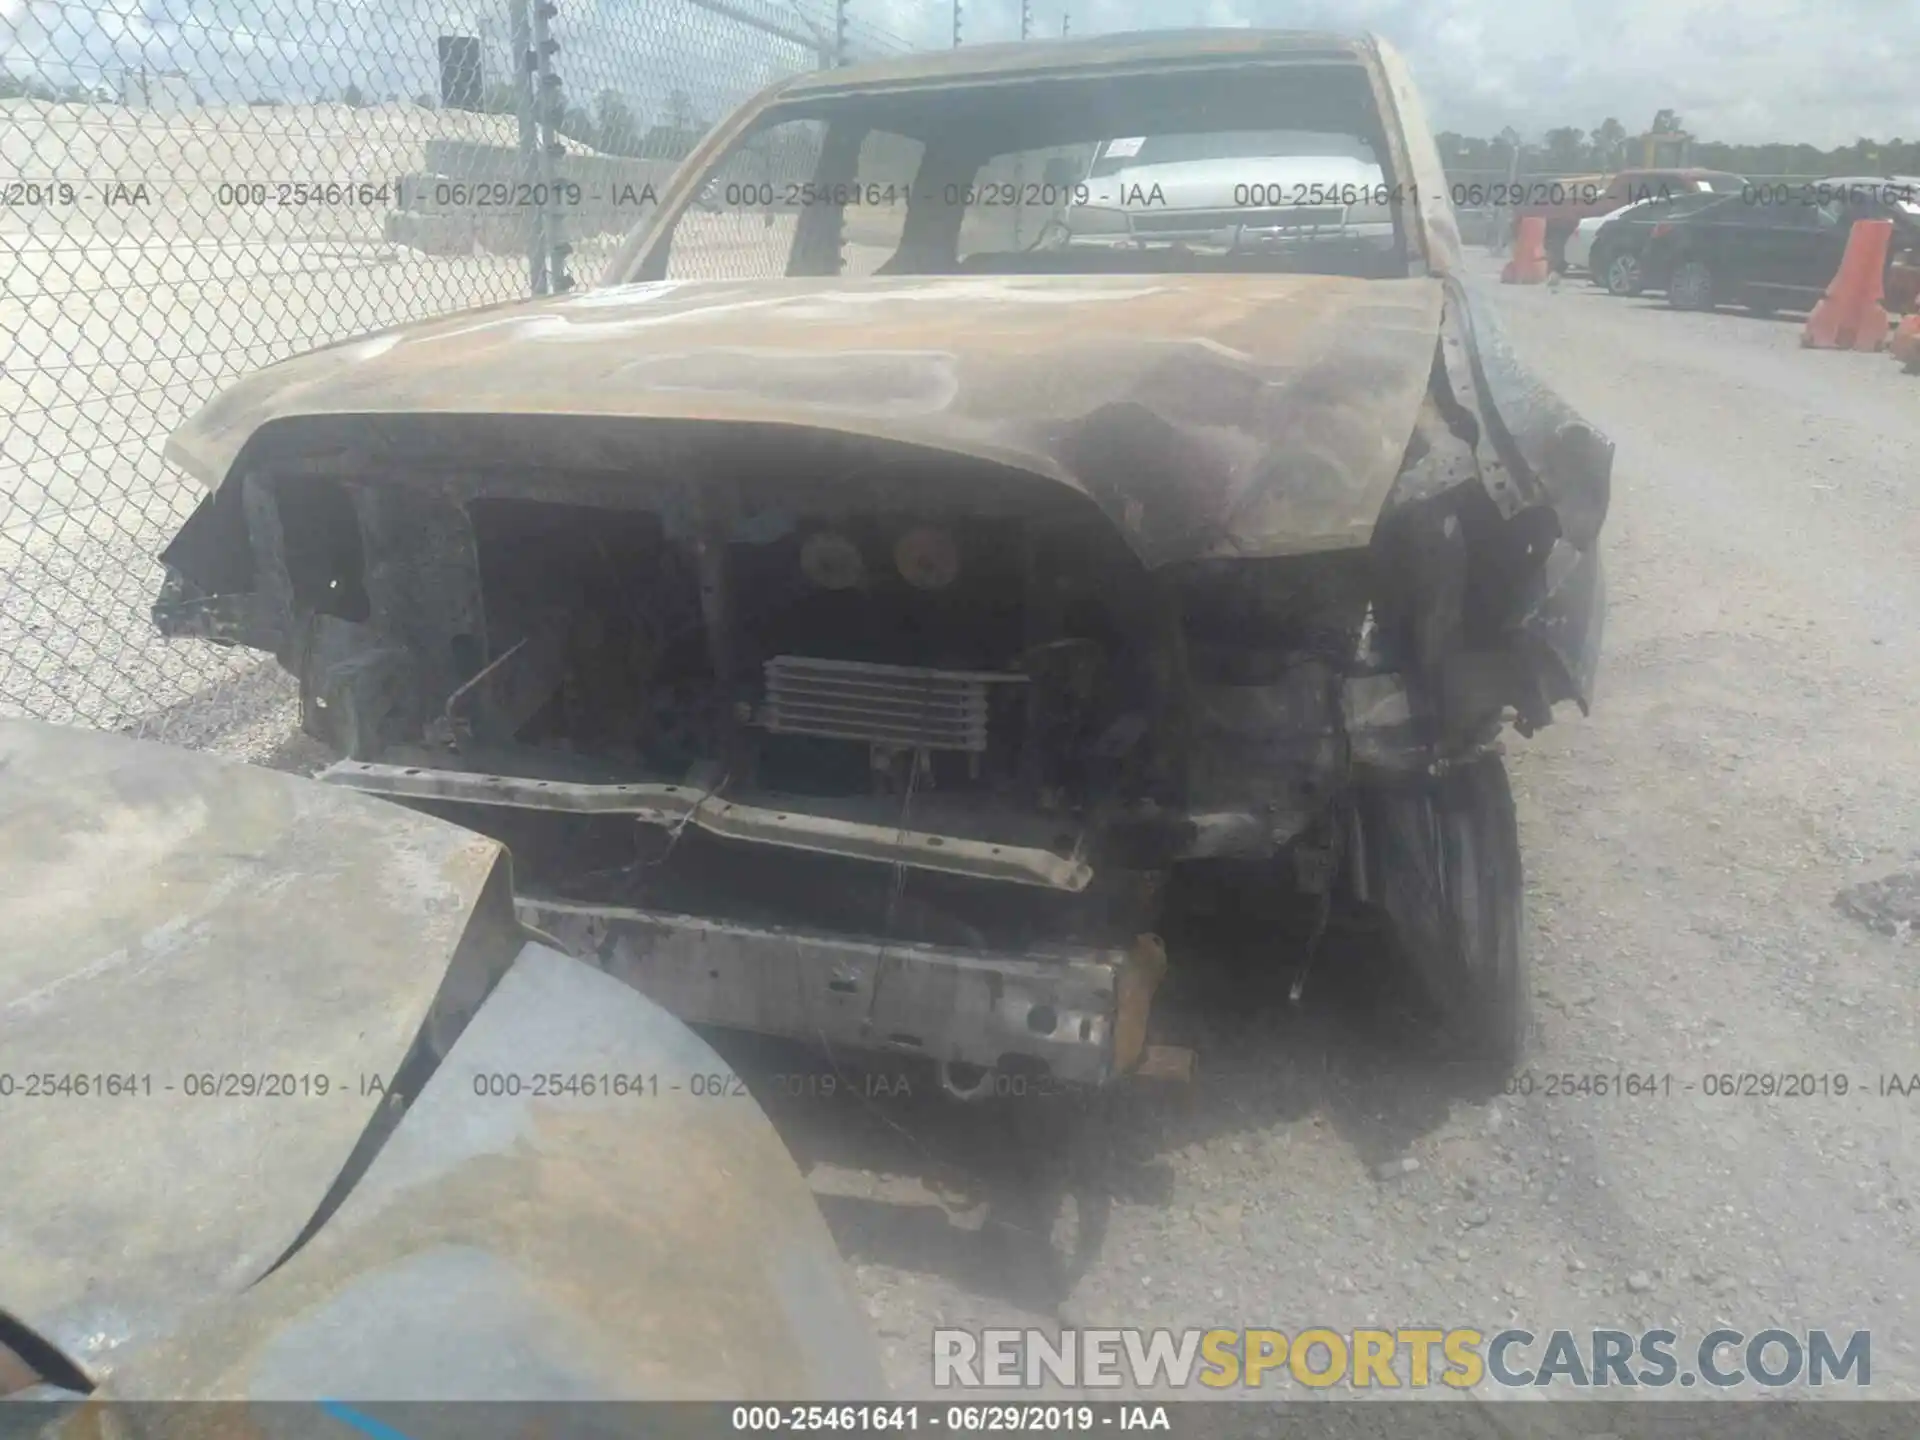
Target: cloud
(1743, 71)
(1736, 70)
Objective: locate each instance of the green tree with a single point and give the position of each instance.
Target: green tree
(1505, 150)
(577, 124)
(1609, 144)
(615, 129)
(1566, 149)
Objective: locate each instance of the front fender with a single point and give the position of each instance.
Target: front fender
(1560, 629)
(583, 1204)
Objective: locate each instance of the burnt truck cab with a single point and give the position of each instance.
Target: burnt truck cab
(859, 608)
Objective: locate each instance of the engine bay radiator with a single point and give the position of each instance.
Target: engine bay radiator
(893, 705)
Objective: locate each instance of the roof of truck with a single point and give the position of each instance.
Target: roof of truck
(1094, 52)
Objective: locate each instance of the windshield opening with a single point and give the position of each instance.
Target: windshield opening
(1241, 169)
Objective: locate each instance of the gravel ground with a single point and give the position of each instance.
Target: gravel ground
(1752, 752)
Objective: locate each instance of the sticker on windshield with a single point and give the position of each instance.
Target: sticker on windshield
(1124, 149)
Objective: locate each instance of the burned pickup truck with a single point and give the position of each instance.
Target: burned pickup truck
(860, 611)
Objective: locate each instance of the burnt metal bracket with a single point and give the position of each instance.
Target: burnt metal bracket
(679, 805)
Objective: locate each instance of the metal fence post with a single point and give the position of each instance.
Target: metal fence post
(520, 35)
(549, 109)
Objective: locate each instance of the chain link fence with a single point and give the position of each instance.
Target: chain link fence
(191, 193)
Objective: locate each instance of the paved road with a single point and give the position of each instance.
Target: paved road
(1754, 750)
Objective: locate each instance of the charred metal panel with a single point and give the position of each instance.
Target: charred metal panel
(1273, 750)
(423, 584)
(799, 823)
(181, 613)
(210, 551)
(1229, 415)
(267, 542)
(357, 688)
(635, 1231)
(1564, 622)
(193, 927)
(1419, 162)
(925, 1000)
(1567, 458)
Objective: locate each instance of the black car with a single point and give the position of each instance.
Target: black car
(1771, 248)
(1613, 260)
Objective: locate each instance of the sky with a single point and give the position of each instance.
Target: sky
(1820, 71)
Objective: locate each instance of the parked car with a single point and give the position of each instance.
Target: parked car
(1614, 257)
(1239, 191)
(294, 1108)
(1564, 203)
(861, 647)
(1779, 249)
(1577, 253)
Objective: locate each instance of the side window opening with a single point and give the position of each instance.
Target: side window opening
(745, 221)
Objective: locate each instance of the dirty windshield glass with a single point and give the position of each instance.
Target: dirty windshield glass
(908, 718)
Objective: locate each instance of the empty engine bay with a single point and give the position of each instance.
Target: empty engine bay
(895, 699)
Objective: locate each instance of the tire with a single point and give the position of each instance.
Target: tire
(1690, 287)
(1443, 863)
(1623, 275)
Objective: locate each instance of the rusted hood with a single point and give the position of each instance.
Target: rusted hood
(1206, 414)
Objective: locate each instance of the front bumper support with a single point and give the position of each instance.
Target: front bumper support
(673, 805)
(1080, 1013)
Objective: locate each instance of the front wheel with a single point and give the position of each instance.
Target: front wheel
(1623, 275)
(1691, 286)
(1442, 860)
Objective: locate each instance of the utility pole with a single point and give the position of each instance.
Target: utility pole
(956, 24)
(1026, 19)
(1066, 21)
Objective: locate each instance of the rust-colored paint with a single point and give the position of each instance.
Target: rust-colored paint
(1145, 968)
(1223, 415)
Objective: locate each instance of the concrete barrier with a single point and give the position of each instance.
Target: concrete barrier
(473, 196)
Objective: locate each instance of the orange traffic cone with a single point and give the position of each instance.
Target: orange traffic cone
(1529, 263)
(1850, 316)
(1905, 344)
